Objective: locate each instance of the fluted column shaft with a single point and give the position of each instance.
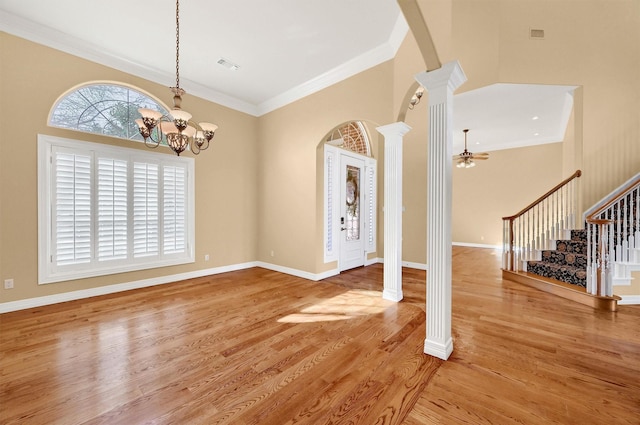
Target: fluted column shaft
(440, 85)
(393, 134)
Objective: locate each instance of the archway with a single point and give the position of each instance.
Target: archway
(349, 196)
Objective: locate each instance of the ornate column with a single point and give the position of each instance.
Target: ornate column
(440, 85)
(393, 209)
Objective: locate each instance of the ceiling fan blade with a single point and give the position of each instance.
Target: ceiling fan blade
(481, 154)
(481, 158)
(456, 157)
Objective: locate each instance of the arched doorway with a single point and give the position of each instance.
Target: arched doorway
(350, 193)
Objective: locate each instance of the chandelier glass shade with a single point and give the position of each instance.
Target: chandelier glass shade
(177, 130)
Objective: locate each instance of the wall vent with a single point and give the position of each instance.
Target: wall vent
(536, 34)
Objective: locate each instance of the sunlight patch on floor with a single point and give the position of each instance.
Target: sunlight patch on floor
(353, 303)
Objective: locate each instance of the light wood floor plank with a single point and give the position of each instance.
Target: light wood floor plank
(260, 347)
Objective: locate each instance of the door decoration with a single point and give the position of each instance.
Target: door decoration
(352, 223)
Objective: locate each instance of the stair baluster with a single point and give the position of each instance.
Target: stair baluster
(527, 233)
(615, 225)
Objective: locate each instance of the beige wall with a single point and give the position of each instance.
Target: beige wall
(290, 174)
(594, 44)
(499, 187)
(632, 289)
(258, 186)
(226, 218)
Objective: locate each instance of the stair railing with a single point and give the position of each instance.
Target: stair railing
(613, 235)
(538, 225)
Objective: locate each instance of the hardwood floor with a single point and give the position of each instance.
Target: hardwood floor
(260, 347)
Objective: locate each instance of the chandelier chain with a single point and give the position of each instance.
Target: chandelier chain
(175, 129)
(177, 44)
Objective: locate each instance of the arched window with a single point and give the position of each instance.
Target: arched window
(104, 108)
(351, 136)
(104, 208)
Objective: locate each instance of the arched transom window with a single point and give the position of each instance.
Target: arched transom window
(351, 136)
(103, 108)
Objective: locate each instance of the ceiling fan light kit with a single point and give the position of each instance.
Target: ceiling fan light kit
(465, 163)
(466, 158)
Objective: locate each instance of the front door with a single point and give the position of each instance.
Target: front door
(351, 222)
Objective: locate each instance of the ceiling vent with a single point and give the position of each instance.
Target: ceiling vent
(536, 34)
(228, 64)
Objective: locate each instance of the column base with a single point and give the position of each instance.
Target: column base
(437, 349)
(394, 296)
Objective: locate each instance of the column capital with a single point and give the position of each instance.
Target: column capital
(397, 128)
(450, 75)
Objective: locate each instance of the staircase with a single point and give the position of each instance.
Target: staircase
(581, 265)
(566, 263)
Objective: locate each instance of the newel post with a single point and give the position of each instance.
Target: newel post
(393, 134)
(440, 85)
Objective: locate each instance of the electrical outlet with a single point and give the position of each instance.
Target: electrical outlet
(8, 284)
(206, 257)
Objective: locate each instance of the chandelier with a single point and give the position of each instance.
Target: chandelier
(176, 129)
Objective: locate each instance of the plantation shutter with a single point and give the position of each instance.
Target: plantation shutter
(146, 220)
(104, 210)
(174, 182)
(370, 206)
(72, 208)
(112, 209)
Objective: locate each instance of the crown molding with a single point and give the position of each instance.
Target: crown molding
(356, 65)
(55, 39)
(58, 40)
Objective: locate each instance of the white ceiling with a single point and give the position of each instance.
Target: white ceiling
(503, 116)
(286, 49)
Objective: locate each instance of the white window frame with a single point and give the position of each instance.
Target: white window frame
(48, 270)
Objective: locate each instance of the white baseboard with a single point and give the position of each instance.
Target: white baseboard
(411, 265)
(408, 264)
(477, 245)
(296, 272)
(629, 300)
(373, 261)
(120, 287)
(7, 307)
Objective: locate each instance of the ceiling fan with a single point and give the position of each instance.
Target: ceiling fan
(465, 159)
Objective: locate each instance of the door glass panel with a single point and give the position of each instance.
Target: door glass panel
(352, 223)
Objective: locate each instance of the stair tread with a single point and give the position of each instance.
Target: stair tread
(567, 245)
(568, 262)
(563, 252)
(555, 265)
(563, 289)
(574, 275)
(564, 258)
